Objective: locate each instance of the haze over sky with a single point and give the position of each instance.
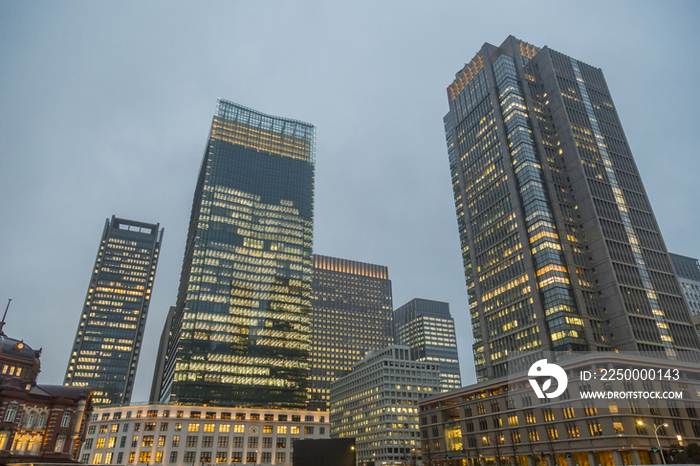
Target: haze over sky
(105, 109)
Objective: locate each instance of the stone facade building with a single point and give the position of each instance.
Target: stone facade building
(185, 435)
(504, 422)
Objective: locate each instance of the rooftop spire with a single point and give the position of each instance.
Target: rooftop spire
(2, 324)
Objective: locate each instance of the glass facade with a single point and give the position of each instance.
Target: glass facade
(561, 248)
(428, 329)
(351, 315)
(107, 344)
(240, 331)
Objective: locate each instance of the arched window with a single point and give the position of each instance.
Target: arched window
(65, 420)
(30, 419)
(10, 413)
(59, 444)
(42, 421)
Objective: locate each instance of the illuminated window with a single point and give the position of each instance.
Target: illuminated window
(61, 440)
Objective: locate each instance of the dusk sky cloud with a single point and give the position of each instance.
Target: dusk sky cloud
(106, 106)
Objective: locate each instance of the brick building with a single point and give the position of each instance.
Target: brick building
(38, 423)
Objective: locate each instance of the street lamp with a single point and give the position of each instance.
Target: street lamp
(656, 429)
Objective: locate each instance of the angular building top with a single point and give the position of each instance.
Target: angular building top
(239, 335)
(561, 249)
(107, 344)
(428, 329)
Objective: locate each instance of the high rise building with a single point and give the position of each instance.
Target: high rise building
(688, 272)
(377, 404)
(107, 344)
(427, 328)
(561, 248)
(240, 330)
(351, 315)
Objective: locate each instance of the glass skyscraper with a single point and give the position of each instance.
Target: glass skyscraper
(240, 331)
(107, 344)
(561, 249)
(351, 316)
(427, 328)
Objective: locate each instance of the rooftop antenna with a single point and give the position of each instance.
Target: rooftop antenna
(2, 324)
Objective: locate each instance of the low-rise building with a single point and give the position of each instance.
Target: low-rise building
(377, 404)
(170, 434)
(38, 423)
(607, 415)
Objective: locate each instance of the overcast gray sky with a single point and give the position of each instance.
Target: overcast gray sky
(105, 109)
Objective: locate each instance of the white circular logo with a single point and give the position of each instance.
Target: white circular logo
(543, 369)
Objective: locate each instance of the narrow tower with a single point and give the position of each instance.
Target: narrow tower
(107, 344)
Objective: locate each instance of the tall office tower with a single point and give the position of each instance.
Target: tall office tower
(561, 249)
(427, 328)
(351, 315)
(107, 345)
(240, 330)
(688, 272)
